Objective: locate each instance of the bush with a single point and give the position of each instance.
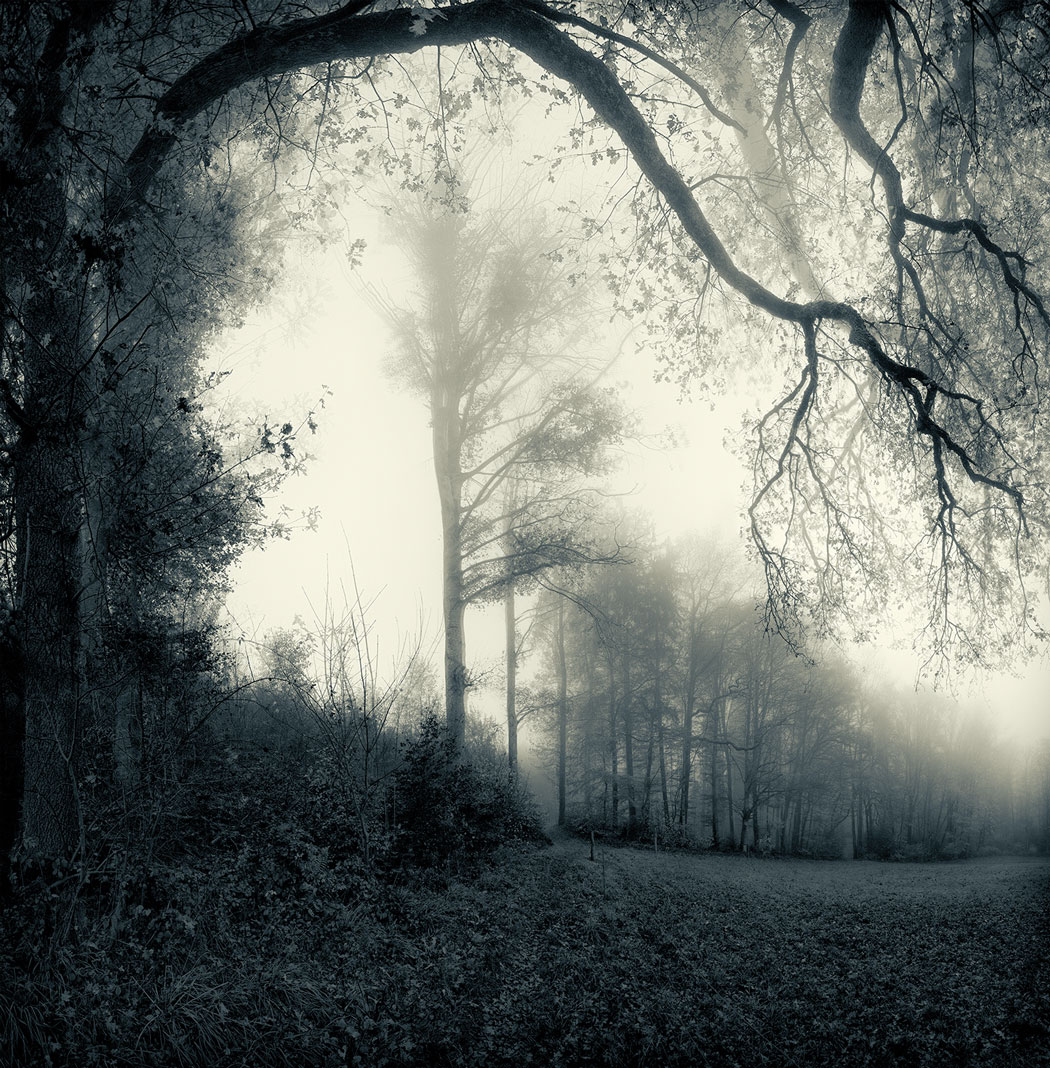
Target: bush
(452, 807)
(881, 842)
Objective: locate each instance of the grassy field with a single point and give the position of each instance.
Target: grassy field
(548, 958)
(663, 959)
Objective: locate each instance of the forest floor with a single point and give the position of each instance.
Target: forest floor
(545, 957)
(646, 958)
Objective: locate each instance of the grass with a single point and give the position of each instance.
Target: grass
(642, 958)
(548, 958)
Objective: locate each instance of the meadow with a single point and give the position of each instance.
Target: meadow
(544, 956)
(663, 958)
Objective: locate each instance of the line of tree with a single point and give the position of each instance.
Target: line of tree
(669, 709)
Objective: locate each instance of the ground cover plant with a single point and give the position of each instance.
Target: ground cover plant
(546, 957)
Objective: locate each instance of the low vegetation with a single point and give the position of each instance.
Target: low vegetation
(256, 936)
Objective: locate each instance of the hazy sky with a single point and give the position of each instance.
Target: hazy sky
(372, 476)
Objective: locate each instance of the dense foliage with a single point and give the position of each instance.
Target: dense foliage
(257, 878)
(453, 811)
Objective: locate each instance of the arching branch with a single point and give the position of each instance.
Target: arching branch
(531, 29)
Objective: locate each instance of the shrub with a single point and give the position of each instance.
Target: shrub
(881, 842)
(455, 807)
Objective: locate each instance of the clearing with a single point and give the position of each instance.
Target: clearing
(643, 958)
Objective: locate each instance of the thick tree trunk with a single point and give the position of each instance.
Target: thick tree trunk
(45, 717)
(49, 568)
(49, 517)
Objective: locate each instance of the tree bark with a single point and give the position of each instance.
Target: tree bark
(12, 733)
(47, 486)
(715, 777)
(628, 741)
(563, 711)
(729, 770)
(510, 620)
(48, 561)
(689, 707)
(455, 646)
(614, 751)
(511, 637)
(448, 446)
(662, 758)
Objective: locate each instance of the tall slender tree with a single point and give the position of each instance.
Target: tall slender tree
(494, 345)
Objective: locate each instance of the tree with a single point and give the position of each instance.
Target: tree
(706, 581)
(518, 419)
(927, 365)
(115, 469)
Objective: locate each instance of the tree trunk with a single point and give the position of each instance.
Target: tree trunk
(509, 619)
(628, 741)
(49, 516)
(447, 470)
(563, 711)
(663, 774)
(48, 561)
(455, 660)
(715, 829)
(796, 833)
(614, 752)
(687, 758)
(729, 770)
(687, 736)
(12, 730)
(647, 782)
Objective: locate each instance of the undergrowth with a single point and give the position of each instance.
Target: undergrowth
(255, 937)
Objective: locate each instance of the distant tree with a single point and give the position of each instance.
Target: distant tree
(496, 346)
(706, 580)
